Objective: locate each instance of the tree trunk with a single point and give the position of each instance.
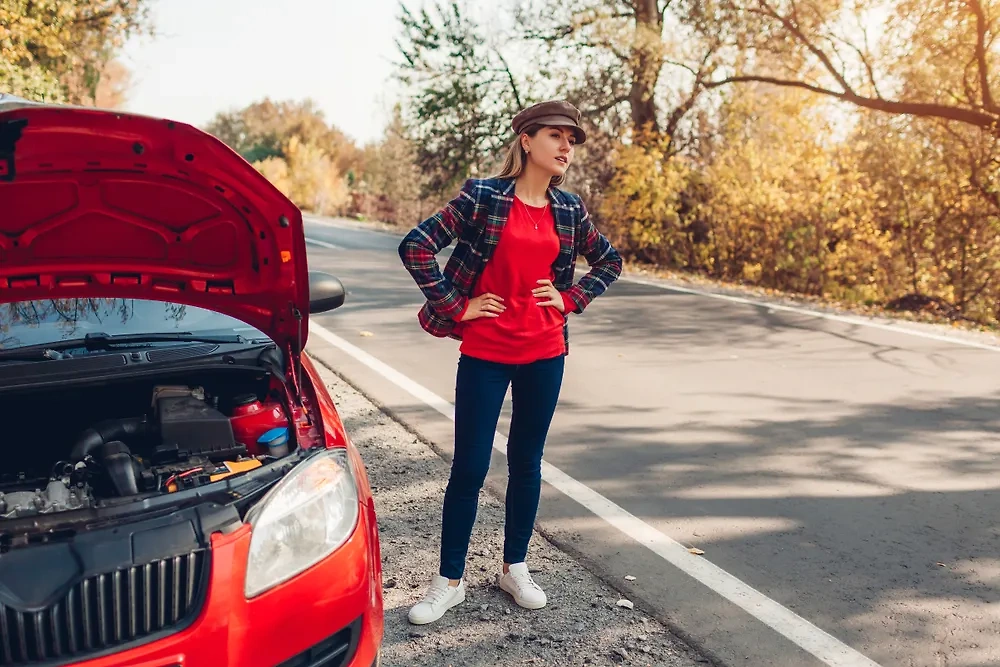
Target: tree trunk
(647, 61)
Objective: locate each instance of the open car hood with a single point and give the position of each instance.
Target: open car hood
(98, 203)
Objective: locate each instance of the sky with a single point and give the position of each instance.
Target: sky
(215, 55)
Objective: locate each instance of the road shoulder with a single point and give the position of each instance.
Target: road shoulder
(583, 623)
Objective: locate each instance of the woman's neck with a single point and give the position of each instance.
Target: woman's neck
(532, 186)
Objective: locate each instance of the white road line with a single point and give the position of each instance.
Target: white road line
(324, 223)
(323, 244)
(347, 224)
(819, 643)
(846, 319)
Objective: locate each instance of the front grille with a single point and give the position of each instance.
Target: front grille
(107, 611)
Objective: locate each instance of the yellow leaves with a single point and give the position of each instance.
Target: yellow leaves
(788, 208)
(294, 147)
(307, 176)
(275, 170)
(49, 47)
(644, 194)
(752, 272)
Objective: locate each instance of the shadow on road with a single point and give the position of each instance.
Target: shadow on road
(888, 511)
(851, 474)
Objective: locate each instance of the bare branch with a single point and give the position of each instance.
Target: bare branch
(94, 18)
(922, 109)
(677, 115)
(604, 44)
(956, 136)
(967, 87)
(662, 8)
(979, 290)
(793, 28)
(510, 77)
(558, 33)
(990, 194)
(604, 107)
(681, 65)
(867, 63)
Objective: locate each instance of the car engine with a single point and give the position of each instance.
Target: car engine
(60, 494)
(188, 437)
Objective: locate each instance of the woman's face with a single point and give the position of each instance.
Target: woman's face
(551, 149)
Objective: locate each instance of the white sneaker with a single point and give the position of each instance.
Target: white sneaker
(518, 583)
(438, 599)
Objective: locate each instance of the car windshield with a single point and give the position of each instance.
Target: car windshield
(24, 323)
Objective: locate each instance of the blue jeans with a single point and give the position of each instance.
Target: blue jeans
(479, 392)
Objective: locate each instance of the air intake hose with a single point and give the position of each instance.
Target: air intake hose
(108, 431)
(120, 467)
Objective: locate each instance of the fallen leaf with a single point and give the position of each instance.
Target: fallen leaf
(366, 334)
(629, 578)
(626, 603)
(696, 551)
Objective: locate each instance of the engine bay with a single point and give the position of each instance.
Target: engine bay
(89, 447)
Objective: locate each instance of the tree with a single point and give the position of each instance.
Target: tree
(57, 50)
(111, 92)
(259, 130)
(782, 207)
(846, 149)
(467, 78)
(643, 203)
(391, 182)
(928, 177)
(617, 46)
(462, 93)
(933, 59)
(293, 146)
(307, 176)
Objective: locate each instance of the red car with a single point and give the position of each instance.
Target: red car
(177, 488)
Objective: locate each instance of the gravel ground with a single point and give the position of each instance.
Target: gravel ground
(582, 624)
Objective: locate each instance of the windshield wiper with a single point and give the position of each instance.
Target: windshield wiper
(104, 341)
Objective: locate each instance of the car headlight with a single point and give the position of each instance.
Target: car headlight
(302, 520)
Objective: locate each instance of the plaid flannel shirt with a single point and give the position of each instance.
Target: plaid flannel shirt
(476, 219)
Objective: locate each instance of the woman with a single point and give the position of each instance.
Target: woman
(505, 293)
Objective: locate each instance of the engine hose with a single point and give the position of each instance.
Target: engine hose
(108, 431)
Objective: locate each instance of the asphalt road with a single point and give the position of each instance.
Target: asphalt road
(846, 472)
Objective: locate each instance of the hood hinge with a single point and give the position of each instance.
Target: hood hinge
(297, 364)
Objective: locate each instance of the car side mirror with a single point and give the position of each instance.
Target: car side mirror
(326, 292)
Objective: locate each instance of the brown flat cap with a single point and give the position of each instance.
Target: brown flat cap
(554, 112)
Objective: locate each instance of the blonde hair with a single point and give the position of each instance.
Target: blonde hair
(516, 158)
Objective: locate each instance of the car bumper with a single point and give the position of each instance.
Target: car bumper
(299, 623)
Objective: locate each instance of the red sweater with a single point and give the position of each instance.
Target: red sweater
(525, 332)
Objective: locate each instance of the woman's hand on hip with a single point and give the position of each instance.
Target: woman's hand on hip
(484, 305)
(550, 296)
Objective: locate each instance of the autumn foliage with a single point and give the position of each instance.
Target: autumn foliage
(64, 50)
(889, 215)
(846, 151)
